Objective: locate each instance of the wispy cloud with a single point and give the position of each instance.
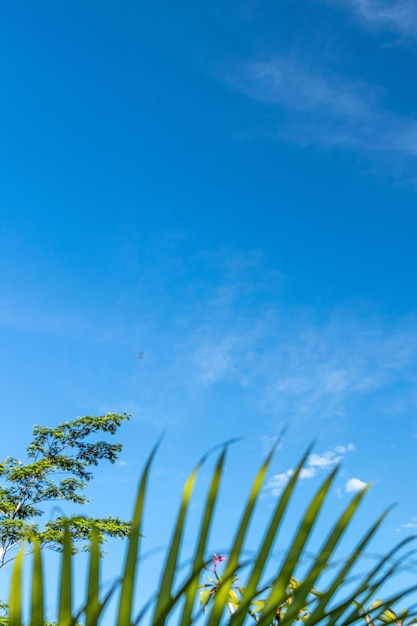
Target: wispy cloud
(230, 339)
(318, 106)
(302, 367)
(268, 442)
(395, 15)
(315, 463)
(230, 334)
(236, 341)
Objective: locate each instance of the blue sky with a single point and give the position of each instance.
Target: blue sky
(230, 188)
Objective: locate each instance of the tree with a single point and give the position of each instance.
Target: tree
(58, 469)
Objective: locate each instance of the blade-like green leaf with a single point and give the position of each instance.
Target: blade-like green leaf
(92, 609)
(295, 551)
(363, 593)
(198, 562)
(185, 589)
(124, 614)
(65, 589)
(367, 588)
(298, 602)
(383, 611)
(37, 617)
(322, 560)
(221, 598)
(326, 597)
(265, 550)
(171, 562)
(15, 598)
(101, 606)
(165, 597)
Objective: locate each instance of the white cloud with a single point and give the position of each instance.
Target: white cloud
(277, 483)
(355, 484)
(324, 461)
(343, 449)
(394, 15)
(411, 525)
(308, 472)
(282, 80)
(317, 106)
(314, 464)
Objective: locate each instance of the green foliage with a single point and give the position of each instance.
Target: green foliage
(280, 600)
(388, 616)
(4, 613)
(58, 469)
(237, 592)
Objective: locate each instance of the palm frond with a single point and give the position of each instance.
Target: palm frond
(282, 600)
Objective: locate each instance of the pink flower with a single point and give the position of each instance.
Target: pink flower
(217, 558)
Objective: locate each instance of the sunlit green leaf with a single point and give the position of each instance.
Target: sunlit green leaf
(37, 610)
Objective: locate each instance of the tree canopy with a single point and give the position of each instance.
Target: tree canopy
(58, 468)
